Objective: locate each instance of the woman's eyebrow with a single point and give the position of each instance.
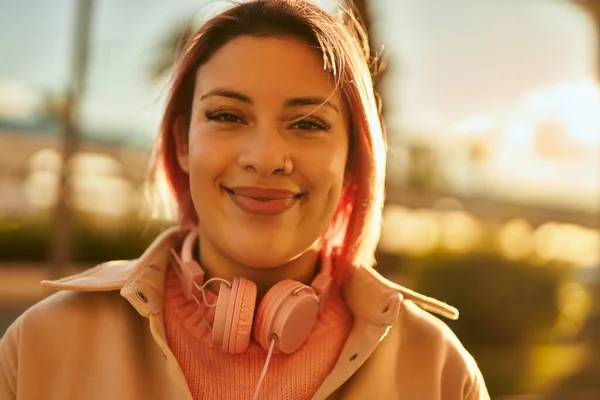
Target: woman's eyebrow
(293, 102)
(231, 94)
(309, 101)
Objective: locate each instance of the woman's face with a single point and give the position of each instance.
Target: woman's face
(265, 178)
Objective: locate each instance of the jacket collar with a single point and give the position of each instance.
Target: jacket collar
(141, 281)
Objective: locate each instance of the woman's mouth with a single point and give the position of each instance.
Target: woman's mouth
(263, 201)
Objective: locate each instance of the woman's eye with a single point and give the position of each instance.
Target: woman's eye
(223, 116)
(312, 124)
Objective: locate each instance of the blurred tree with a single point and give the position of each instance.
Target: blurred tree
(362, 10)
(169, 49)
(503, 305)
(591, 6)
(424, 170)
(62, 237)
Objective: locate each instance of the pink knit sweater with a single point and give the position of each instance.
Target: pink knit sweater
(213, 374)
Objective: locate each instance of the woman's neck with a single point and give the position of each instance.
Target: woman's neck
(216, 264)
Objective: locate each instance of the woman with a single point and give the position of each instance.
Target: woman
(273, 148)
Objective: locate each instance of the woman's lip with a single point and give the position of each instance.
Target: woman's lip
(265, 203)
(260, 193)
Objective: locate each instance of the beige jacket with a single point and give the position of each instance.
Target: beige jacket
(102, 337)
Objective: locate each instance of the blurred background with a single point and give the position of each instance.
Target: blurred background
(493, 114)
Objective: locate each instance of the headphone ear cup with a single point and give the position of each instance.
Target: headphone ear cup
(232, 326)
(289, 312)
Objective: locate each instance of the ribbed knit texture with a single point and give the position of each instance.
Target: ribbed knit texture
(213, 374)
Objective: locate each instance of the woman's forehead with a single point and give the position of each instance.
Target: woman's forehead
(280, 64)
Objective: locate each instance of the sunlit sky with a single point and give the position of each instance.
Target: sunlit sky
(459, 58)
(449, 60)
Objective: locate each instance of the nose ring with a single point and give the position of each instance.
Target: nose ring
(286, 169)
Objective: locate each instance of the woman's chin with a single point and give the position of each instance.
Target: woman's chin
(253, 255)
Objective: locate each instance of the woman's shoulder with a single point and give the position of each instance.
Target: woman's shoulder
(103, 293)
(418, 318)
(418, 342)
(431, 336)
(66, 311)
(76, 301)
(87, 322)
(428, 347)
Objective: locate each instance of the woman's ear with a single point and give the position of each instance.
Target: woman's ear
(180, 129)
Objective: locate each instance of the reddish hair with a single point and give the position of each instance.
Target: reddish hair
(354, 231)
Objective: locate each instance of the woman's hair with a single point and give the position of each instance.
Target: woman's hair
(355, 227)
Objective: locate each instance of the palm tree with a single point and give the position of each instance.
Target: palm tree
(61, 245)
(363, 11)
(169, 48)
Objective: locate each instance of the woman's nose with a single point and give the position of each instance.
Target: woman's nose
(265, 152)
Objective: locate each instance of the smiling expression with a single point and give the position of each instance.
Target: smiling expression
(265, 150)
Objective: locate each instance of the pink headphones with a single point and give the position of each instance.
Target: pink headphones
(286, 315)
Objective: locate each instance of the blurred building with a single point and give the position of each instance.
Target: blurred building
(109, 175)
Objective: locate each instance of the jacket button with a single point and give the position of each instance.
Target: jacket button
(142, 297)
